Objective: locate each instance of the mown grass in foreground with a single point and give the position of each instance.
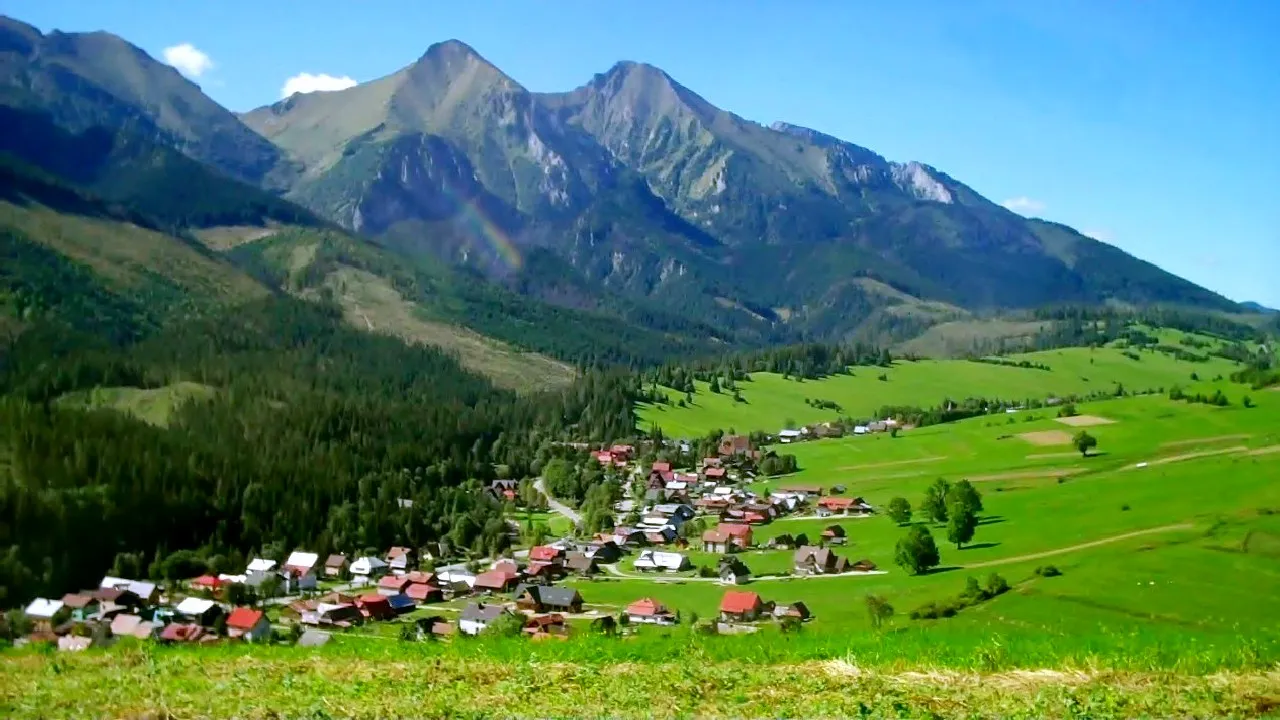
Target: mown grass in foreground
(394, 680)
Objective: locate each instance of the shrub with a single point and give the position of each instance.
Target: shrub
(1124, 507)
(1048, 571)
(996, 585)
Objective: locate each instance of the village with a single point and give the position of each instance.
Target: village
(667, 517)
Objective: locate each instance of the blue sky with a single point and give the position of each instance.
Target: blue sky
(1151, 125)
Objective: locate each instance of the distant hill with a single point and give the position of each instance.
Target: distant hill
(1257, 307)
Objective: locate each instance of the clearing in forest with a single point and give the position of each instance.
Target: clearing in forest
(1047, 437)
(1084, 420)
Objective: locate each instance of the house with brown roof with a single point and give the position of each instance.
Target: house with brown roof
(803, 489)
(546, 627)
(738, 606)
(734, 445)
(581, 564)
(716, 541)
(336, 566)
(249, 625)
(421, 578)
(715, 474)
(651, 612)
(495, 581)
(661, 467)
(401, 559)
(810, 560)
(81, 605)
(833, 535)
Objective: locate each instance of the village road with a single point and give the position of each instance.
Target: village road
(555, 504)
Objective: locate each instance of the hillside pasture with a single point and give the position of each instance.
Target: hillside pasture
(770, 401)
(1125, 538)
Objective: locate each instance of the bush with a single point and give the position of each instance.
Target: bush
(1124, 507)
(996, 585)
(707, 572)
(1048, 571)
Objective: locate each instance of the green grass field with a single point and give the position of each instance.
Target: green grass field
(1183, 551)
(772, 401)
(155, 406)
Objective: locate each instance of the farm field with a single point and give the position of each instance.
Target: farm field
(772, 401)
(1180, 552)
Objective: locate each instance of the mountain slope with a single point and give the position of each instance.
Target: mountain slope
(97, 79)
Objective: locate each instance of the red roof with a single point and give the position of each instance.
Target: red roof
(662, 466)
(604, 458)
(507, 566)
(836, 503)
(424, 578)
(372, 599)
(544, 553)
(207, 581)
(646, 607)
(735, 530)
(715, 472)
(177, 632)
(393, 582)
(243, 618)
(494, 580)
(739, 602)
(422, 591)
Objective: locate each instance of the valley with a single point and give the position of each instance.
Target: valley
(428, 393)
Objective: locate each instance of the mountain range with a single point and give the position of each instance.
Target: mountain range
(630, 197)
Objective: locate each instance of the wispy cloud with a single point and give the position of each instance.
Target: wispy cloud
(1024, 205)
(1099, 234)
(308, 83)
(188, 59)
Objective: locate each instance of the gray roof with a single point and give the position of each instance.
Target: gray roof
(550, 594)
(482, 613)
(312, 638)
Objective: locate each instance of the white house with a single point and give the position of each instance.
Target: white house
(477, 616)
(368, 567)
(787, 436)
(43, 609)
(663, 561)
(145, 590)
(860, 430)
(452, 577)
(300, 571)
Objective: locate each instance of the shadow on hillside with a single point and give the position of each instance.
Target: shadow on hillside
(991, 520)
(980, 546)
(940, 570)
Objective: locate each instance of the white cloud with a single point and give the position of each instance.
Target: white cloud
(188, 59)
(1099, 234)
(307, 83)
(1024, 205)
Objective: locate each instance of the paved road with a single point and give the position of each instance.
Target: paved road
(556, 505)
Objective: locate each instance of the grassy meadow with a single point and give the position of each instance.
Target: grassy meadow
(154, 406)
(1166, 538)
(772, 401)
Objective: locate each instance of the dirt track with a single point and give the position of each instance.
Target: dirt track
(1197, 441)
(1081, 546)
(870, 466)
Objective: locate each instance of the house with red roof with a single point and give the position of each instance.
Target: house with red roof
(651, 612)
(740, 534)
(424, 593)
(375, 607)
(181, 633)
(248, 624)
(496, 581)
(209, 583)
(662, 467)
(545, 553)
(392, 585)
(715, 473)
(738, 606)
